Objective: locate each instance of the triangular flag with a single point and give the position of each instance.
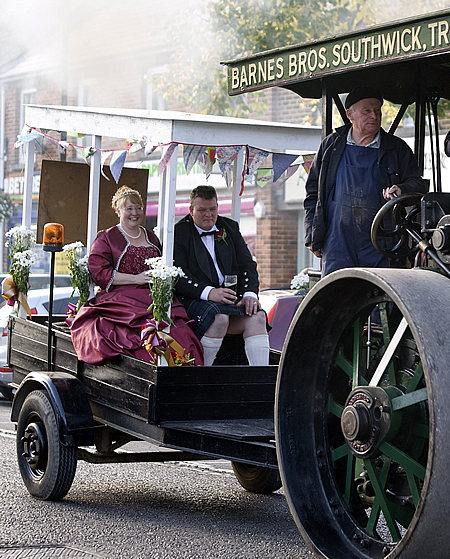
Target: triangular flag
(255, 159)
(59, 145)
(226, 156)
(280, 162)
(25, 138)
(117, 163)
(307, 161)
(104, 157)
(206, 161)
(166, 155)
(191, 155)
(85, 152)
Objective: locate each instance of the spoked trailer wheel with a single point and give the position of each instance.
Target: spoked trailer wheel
(363, 415)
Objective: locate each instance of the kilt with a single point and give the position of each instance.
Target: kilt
(204, 313)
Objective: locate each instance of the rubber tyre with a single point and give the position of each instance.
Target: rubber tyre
(257, 479)
(50, 477)
(325, 359)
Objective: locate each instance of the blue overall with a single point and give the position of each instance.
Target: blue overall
(352, 205)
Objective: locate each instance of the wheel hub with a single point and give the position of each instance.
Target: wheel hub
(366, 419)
(34, 448)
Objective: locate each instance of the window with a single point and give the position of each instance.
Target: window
(153, 100)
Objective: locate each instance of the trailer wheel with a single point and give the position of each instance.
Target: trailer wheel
(47, 466)
(257, 479)
(362, 415)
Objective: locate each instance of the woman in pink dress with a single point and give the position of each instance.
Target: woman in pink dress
(110, 324)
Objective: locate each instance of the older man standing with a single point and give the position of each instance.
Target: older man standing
(208, 247)
(356, 169)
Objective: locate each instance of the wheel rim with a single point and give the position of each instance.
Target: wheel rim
(35, 447)
(367, 422)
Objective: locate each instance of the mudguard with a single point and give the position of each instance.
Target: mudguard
(69, 402)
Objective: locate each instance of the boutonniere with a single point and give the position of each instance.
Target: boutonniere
(221, 235)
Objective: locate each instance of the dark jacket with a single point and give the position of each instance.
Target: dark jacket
(396, 165)
(233, 257)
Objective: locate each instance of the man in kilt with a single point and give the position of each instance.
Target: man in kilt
(208, 247)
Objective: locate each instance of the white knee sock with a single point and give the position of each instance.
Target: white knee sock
(257, 349)
(210, 348)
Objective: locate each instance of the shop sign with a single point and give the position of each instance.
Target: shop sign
(375, 45)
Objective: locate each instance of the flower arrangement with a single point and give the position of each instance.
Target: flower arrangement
(21, 243)
(300, 282)
(79, 272)
(162, 280)
(221, 235)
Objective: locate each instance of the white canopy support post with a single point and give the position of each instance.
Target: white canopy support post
(169, 209)
(94, 188)
(237, 179)
(161, 205)
(28, 184)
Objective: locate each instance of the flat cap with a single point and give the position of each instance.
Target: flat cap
(362, 92)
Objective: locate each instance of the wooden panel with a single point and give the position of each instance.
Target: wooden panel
(64, 192)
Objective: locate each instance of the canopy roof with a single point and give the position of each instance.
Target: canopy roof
(160, 127)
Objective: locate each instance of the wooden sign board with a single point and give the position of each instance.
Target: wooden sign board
(64, 195)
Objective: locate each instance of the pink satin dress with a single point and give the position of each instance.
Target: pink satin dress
(110, 324)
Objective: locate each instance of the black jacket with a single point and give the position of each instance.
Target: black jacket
(396, 165)
(233, 257)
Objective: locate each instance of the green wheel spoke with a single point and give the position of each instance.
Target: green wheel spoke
(414, 485)
(340, 452)
(350, 476)
(418, 376)
(409, 399)
(342, 362)
(334, 408)
(381, 504)
(388, 329)
(409, 464)
(357, 352)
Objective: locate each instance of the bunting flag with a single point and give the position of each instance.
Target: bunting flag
(228, 176)
(255, 157)
(60, 145)
(148, 147)
(207, 160)
(191, 155)
(307, 162)
(85, 152)
(205, 164)
(133, 146)
(166, 155)
(280, 162)
(104, 157)
(226, 156)
(117, 163)
(25, 138)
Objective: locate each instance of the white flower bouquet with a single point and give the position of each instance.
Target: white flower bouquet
(162, 280)
(21, 243)
(79, 272)
(300, 282)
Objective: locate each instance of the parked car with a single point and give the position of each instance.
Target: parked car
(38, 300)
(41, 281)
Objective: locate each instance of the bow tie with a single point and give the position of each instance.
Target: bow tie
(206, 233)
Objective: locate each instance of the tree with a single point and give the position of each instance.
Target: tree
(227, 29)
